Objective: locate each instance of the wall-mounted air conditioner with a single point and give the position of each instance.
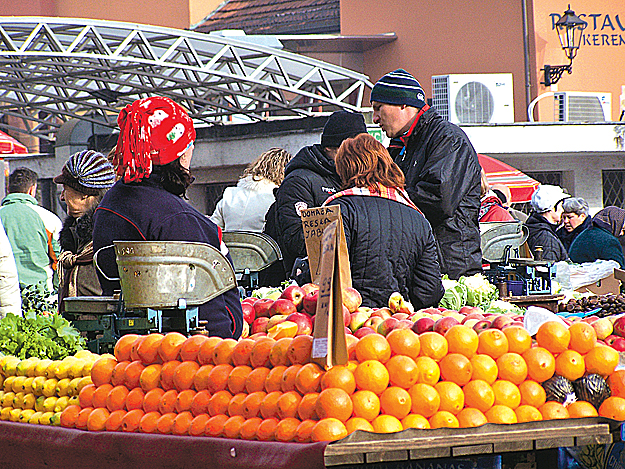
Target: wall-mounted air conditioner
(580, 106)
(474, 98)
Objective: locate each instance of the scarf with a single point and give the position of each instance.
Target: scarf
(490, 200)
(68, 272)
(612, 218)
(391, 193)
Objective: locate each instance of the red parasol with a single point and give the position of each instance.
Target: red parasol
(8, 145)
(521, 185)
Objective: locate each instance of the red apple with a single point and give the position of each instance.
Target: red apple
(282, 306)
(429, 311)
(309, 302)
(400, 316)
(303, 321)
(423, 325)
(481, 325)
(357, 320)
(381, 313)
(404, 324)
(250, 299)
(248, 313)
(501, 321)
(373, 322)
(348, 331)
(259, 325)
(387, 326)
(347, 316)
(477, 316)
(261, 307)
(310, 287)
(444, 324)
(619, 326)
(610, 339)
(619, 344)
(513, 323)
(351, 299)
(295, 294)
(470, 310)
(363, 331)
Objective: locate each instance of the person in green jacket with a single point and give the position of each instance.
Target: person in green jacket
(600, 241)
(32, 230)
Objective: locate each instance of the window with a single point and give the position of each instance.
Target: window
(613, 188)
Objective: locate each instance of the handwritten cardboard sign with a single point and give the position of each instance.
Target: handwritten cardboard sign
(329, 343)
(314, 222)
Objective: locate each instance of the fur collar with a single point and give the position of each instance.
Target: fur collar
(263, 185)
(76, 233)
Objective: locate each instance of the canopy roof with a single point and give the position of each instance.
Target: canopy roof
(497, 172)
(55, 69)
(8, 145)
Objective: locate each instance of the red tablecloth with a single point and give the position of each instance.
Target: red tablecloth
(35, 446)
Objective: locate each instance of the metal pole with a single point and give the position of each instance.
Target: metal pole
(526, 52)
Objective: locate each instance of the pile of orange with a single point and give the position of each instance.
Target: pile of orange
(269, 390)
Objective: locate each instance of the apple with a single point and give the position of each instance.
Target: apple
(373, 322)
(282, 306)
(444, 324)
(429, 311)
(395, 302)
(470, 310)
(383, 313)
(567, 321)
(603, 328)
(309, 302)
(400, 316)
(310, 287)
(245, 331)
(357, 320)
(470, 323)
(295, 294)
(348, 331)
(610, 339)
(387, 326)
(500, 321)
(512, 324)
(363, 331)
(261, 307)
(303, 321)
(436, 317)
(619, 326)
(405, 324)
(470, 316)
(275, 320)
(248, 313)
(250, 299)
(347, 316)
(481, 325)
(423, 325)
(259, 325)
(449, 312)
(619, 344)
(352, 299)
(590, 319)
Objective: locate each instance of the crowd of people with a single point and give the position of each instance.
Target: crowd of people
(411, 212)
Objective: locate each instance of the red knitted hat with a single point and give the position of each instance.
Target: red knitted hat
(153, 130)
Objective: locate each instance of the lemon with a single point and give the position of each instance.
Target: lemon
(7, 399)
(18, 400)
(25, 415)
(51, 369)
(29, 401)
(45, 418)
(39, 403)
(62, 387)
(74, 400)
(49, 403)
(86, 369)
(3, 360)
(10, 366)
(61, 403)
(75, 371)
(73, 387)
(8, 383)
(49, 387)
(27, 385)
(18, 382)
(5, 413)
(37, 386)
(56, 419)
(84, 354)
(62, 370)
(14, 415)
(24, 366)
(34, 419)
(40, 367)
(84, 381)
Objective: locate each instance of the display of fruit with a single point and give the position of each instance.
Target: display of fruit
(559, 389)
(610, 304)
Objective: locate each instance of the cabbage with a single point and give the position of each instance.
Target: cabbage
(480, 292)
(267, 292)
(504, 307)
(455, 296)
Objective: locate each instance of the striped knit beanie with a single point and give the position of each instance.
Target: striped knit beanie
(88, 172)
(398, 87)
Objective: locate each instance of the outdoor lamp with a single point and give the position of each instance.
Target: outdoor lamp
(570, 28)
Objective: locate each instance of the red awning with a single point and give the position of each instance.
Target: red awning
(521, 185)
(8, 145)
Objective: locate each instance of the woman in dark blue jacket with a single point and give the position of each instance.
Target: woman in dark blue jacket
(391, 245)
(600, 241)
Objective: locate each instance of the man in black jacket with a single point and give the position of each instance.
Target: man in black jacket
(542, 223)
(310, 178)
(441, 167)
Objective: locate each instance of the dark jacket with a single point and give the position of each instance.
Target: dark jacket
(567, 237)
(443, 179)
(310, 178)
(147, 212)
(597, 242)
(542, 233)
(391, 248)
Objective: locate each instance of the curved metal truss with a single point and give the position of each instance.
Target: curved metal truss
(54, 69)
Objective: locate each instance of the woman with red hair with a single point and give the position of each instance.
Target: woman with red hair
(152, 158)
(390, 243)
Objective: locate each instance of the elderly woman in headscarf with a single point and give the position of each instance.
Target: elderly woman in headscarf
(575, 219)
(600, 241)
(152, 157)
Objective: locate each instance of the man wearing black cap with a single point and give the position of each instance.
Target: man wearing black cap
(441, 168)
(310, 178)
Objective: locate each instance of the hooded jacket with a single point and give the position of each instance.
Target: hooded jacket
(443, 179)
(310, 178)
(567, 237)
(597, 242)
(542, 233)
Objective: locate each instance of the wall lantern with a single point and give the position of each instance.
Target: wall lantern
(570, 28)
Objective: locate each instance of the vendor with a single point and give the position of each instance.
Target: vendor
(153, 157)
(575, 219)
(601, 240)
(391, 244)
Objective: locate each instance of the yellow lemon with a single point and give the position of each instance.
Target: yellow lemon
(40, 367)
(61, 403)
(5, 413)
(18, 383)
(29, 401)
(14, 416)
(49, 387)
(18, 400)
(25, 415)
(45, 418)
(62, 387)
(39, 403)
(34, 419)
(49, 403)
(37, 386)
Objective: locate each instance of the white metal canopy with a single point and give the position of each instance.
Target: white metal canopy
(55, 69)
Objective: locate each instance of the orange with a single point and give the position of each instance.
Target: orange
(340, 377)
(218, 378)
(532, 393)
(167, 374)
(484, 368)
(184, 374)
(277, 355)
(96, 422)
(148, 349)
(554, 336)
(553, 410)
(402, 370)
(366, 404)
(256, 380)
(579, 409)
(308, 378)
(329, 429)
(425, 399)
(251, 404)
(200, 380)
(415, 421)
(116, 399)
(462, 339)
(199, 404)
(471, 418)
(286, 429)
(167, 403)
(334, 402)
(613, 408)
(616, 381)
(132, 374)
(540, 364)
(433, 345)
(214, 425)
(358, 423)
(386, 424)
(288, 378)
(205, 355)
(404, 342)
(373, 347)
(457, 368)
(218, 403)
(507, 394)
(266, 429)
(69, 415)
(117, 377)
(500, 414)
(261, 352)
(583, 337)
(236, 378)
(570, 364)
(428, 370)
(235, 406)
(100, 395)
(249, 428)
(123, 346)
(150, 377)
(102, 370)
(395, 401)
(242, 352)
(152, 399)
(165, 423)
(527, 413)
(443, 419)
(273, 381)
(451, 395)
(134, 355)
(512, 368)
(114, 422)
(198, 425)
(184, 400)
(288, 404)
(169, 348)
(372, 375)
(134, 399)
(519, 340)
(232, 426)
(222, 352)
(492, 342)
(83, 417)
(85, 397)
(303, 434)
(299, 350)
(601, 360)
(131, 421)
(306, 409)
(479, 395)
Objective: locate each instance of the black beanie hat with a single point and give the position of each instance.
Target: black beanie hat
(340, 126)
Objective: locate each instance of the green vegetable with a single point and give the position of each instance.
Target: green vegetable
(480, 292)
(455, 296)
(503, 307)
(267, 292)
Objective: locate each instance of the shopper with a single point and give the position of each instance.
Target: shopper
(85, 178)
(575, 219)
(153, 156)
(543, 221)
(391, 245)
(10, 297)
(600, 241)
(441, 168)
(504, 194)
(491, 207)
(244, 207)
(32, 230)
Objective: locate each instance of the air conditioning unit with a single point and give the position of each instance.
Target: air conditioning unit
(474, 98)
(580, 106)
